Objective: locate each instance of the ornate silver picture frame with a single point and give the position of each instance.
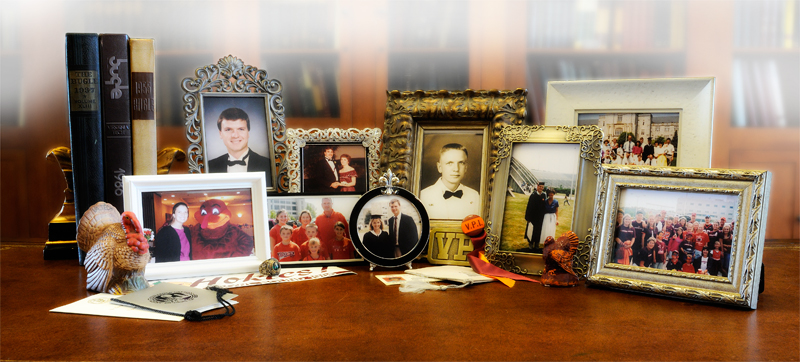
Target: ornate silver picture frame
(566, 161)
(245, 93)
(305, 165)
(470, 120)
(737, 199)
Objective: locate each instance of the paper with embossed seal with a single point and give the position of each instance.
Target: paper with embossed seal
(173, 298)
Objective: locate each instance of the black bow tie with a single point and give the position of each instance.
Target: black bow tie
(458, 194)
(329, 160)
(239, 162)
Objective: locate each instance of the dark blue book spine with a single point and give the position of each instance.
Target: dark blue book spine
(86, 132)
(116, 101)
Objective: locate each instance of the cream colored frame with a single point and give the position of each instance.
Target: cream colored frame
(740, 288)
(589, 138)
(692, 98)
(255, 181)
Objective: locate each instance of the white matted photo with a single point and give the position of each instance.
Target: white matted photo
(639, 139)
(542, 187)
(203, 224)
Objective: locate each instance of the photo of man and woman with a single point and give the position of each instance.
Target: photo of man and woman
(389, 226)
(196, 225)
(334, 168)
(688, 232)
(648, 139)
(540, 197)
(311, 228)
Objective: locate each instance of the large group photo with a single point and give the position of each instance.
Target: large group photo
(639, 139)
(687, 232)
(540, 197)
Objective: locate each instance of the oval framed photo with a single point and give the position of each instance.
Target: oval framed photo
(389, 227)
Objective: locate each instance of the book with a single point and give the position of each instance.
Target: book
(116, 120)
(86, 132)
(143, 106)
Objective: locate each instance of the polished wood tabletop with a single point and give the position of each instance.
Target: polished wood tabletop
(356, 317)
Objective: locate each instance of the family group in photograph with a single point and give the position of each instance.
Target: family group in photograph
(327, 174)
(326, 237)
(213, 237)
(641, 152)
(541, 216)
(674, 242)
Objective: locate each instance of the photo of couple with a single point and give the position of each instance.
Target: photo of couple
(389, 227)
(540, 197)
(332, 168)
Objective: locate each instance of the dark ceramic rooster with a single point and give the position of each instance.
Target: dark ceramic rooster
(558, 256)
(116, 250)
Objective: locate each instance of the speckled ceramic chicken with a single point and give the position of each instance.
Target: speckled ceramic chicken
(557, 256)
(116, 250)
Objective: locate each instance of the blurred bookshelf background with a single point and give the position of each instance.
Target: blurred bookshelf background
(337, 59)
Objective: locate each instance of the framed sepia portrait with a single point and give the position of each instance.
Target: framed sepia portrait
(651, 122)
(688, 233)
(389, 227)
(546, 180)
(295, 220)
(203, 224)
(235, 121)
(332, 161)
(440, 144)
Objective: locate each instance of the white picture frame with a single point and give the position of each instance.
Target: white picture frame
(691, 98)
(136, 186)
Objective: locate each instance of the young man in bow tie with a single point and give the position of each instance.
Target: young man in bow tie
(448, 198)
(234, 130)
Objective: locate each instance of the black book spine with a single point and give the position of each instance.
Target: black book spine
(86, 133)
(116, 100)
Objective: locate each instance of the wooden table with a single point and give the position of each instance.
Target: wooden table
(356, 317)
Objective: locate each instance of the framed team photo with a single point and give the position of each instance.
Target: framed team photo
(332, 161)
(548, 176)
(669, 118)
(202, 224)
(235, 122)
(688, 233)
(310, 230)
(389, 227)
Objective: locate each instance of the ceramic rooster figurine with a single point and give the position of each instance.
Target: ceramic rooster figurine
(557, 256)
(116, 250)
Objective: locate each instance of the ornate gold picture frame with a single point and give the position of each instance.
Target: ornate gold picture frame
(565, 160)
(741, 197)
(298, 140)
(230, 84)
(473, 118)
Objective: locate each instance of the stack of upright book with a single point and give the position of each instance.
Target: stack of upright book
(111, 100)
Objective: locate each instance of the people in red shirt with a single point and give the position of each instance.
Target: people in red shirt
(313, 250)
(327, 220)
(688, 265)
(341, 247)
(311, 232)
(299, 233)
(274, 234)
(286, 250)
